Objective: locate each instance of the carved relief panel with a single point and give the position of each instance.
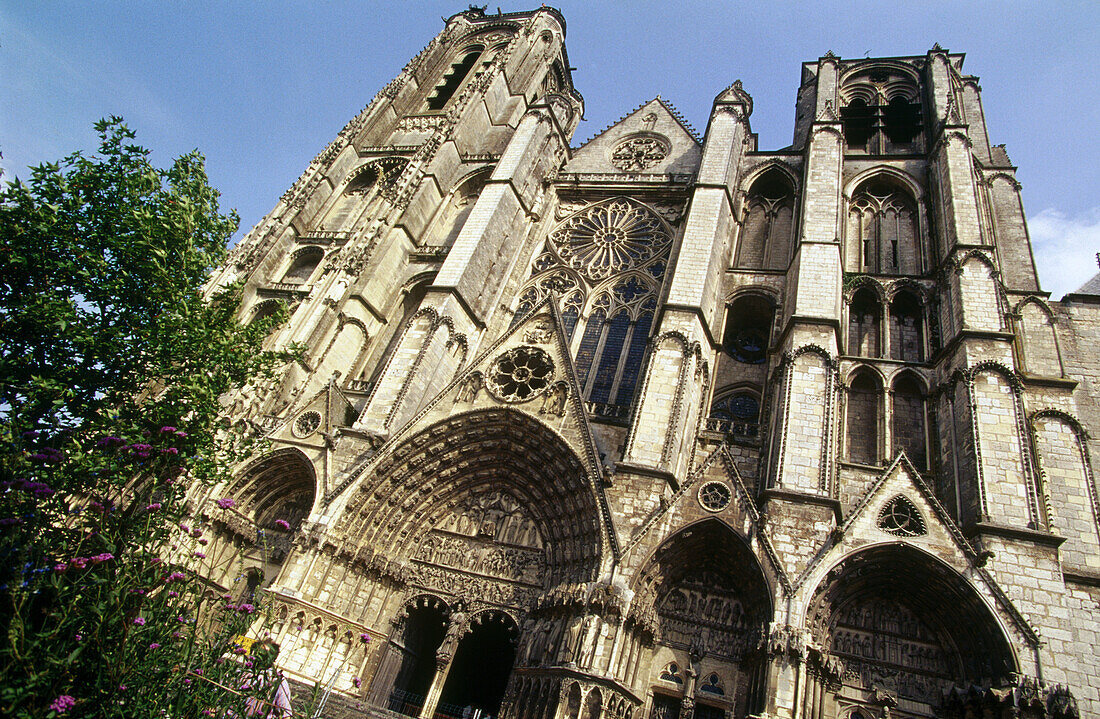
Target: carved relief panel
(487, 547)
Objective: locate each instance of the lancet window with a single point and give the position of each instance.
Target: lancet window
(376, 178)
(453, 78)
(908, 419)
(864, 323)
(766, 228)
(302, 264)
(864, 417)
(882, 235)
(454, 211)
(747, 334)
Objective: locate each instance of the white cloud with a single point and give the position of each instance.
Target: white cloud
(1065, 248)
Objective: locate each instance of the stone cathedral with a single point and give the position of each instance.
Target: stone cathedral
(666, 425)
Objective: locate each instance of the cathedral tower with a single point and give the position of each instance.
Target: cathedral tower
(665, 424)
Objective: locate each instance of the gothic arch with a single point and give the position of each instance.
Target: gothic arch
(709, 594)
(302, 263)
(767, 221)
(772, 164)
(896, 176)
(866, 282)
(864, 416)
(501, 450)
(1037, 338)
(282, 481)
(884, 226)
(895, 608)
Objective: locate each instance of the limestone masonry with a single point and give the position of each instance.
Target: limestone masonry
(667, 426)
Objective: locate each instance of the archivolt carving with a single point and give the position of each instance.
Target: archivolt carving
(423, 480)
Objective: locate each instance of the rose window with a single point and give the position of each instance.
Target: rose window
(307, 423)
(636, 154)
(609, 238)
(714, 496)
(521, 374)
(900, 517)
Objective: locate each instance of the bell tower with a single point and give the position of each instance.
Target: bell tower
(353, 249)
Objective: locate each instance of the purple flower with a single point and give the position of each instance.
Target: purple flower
(167, 430)
(225, 503)
(200, 555)
(60, 567)
(99, 558)
(364, 637)
(175, 577)
(282, 524)
(62, 704)
(154, 645)
(78, 637)
(246, 608)
(169, 450)
(140, 621)
(173, 593)
(153, 507)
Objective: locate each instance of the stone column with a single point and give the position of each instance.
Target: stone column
(459, 628)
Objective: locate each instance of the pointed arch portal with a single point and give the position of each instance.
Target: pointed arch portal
(894, 619)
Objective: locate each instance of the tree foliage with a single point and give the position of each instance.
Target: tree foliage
(111, 364)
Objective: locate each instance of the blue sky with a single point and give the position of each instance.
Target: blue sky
(260, 88)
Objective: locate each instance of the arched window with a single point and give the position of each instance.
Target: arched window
(735, 413)
(747, 334)
(766, 234)
(864, 323)
(303, 264)
(908, 420)
(453, 78)
(906, 328)
(882, 235)
(882, 114)
(376, 178)
(457, 207)
(410, 303)
(617, 332)
(264, 310)
(671, 673)
(864, 417)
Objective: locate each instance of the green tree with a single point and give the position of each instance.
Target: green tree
(111, 364)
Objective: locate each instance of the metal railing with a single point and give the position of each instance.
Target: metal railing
(604, 410)
(734, 428)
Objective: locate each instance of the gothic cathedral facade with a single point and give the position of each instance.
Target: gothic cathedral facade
(668, 426)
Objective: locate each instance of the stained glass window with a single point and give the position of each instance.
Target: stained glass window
(589, 341)
(609, 358)
(639, 340)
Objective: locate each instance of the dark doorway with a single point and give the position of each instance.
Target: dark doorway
(481, 667)
(423, 631)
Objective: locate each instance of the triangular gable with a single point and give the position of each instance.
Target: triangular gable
(559, 405)
(655, 118)
(315, 423)
(940, 537)
(720, 465)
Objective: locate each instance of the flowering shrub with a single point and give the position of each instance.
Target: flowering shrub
(112, 363)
